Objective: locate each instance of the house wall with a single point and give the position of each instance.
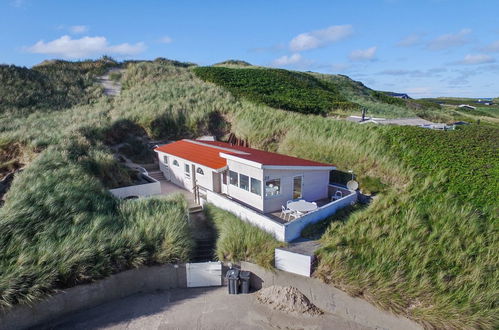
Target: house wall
(314, 186)
(176, 174)
(244, 195)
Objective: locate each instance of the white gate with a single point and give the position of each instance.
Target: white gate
(204, 274)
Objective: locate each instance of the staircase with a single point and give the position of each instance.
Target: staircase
(195, 209)
(204, 250)
(205, 238)
(157, 175)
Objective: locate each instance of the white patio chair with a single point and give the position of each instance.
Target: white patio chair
(285, 212)
(296, 214)
(337, 195)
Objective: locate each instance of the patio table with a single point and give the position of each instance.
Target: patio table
(302, 206)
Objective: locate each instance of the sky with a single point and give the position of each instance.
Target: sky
(426, 48)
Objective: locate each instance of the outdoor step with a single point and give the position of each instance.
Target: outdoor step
(157, 175)
(195, 209)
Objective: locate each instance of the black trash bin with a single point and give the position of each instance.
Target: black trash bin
(232, 280)
(244, 276)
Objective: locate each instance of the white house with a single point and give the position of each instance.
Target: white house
(466, 106)
(251, 183)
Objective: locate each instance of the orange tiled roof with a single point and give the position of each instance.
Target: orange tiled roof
(207, 153)
(200, 154)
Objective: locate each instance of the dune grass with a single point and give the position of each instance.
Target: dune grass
(60, 227)
(240, 241)
(424, 248)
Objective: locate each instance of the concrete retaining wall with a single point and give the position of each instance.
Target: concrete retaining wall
(140, 190)
(141, 280)
(330, 299)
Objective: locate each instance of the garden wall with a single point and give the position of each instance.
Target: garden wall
(141, 280)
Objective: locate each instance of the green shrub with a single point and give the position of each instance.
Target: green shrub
(295, 91)
(240, 241)
(370, 185)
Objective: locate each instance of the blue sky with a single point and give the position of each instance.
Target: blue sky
(421, 47)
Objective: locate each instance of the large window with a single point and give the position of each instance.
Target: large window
(244, 182)
(187, 170)
(165, 160)
(256, 186)
(233, 178)
(273, 187)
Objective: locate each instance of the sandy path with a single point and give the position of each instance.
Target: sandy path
(111, 87)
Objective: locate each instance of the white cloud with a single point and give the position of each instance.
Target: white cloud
(449, 40)
(320, 38)
(78, 29)
(493, 47)
(363, 54)
(288, 60)
(471, 59)
(410, 40)
(67, 47)
(166, 40)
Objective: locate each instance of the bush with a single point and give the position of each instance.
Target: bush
(370, 185)
(240, 241)
(295, 91)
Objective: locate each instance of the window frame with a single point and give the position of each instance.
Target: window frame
(199, 171)
(175, 163)
(236, 184)
(247, 182)
(279, 190)
(187, 170)
(259, 186)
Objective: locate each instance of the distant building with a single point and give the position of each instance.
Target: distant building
(399, 95)
(416, 121)
(485, 101)
(466, 106)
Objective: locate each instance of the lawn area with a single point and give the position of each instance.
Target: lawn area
(240, 241)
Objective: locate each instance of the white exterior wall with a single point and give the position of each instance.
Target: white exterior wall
(294, 228)
(293, 262)
(247, 214)
(141, 190)
(286, 232)
(314, 186)
(245, 196)
(176, 174)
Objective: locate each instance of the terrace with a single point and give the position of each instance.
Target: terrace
(283, 228)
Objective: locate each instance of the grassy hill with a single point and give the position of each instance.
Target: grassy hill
(50, 85)
(425, 248)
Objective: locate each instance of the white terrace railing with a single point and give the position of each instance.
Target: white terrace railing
(285, 232)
